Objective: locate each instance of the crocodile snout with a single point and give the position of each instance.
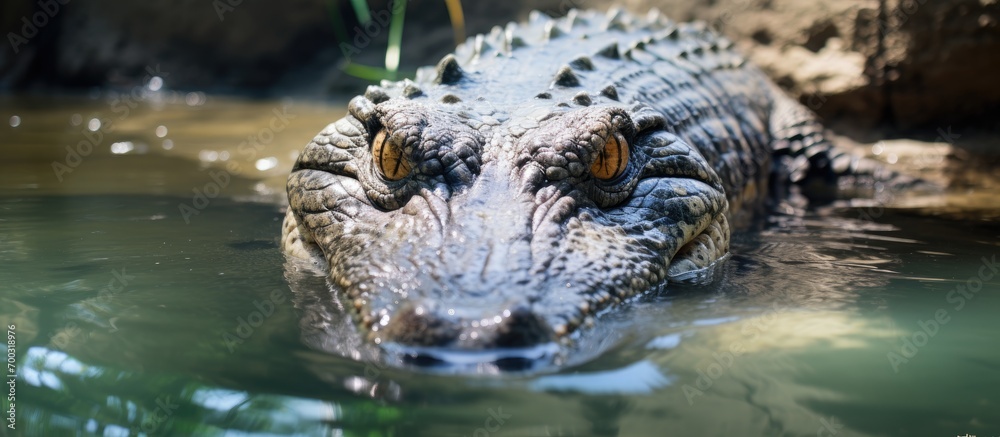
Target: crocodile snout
(438, 326)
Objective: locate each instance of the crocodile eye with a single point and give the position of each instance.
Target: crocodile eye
(389, 157)
(612, 160)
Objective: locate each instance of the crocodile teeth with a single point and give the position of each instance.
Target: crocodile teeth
(448, 71)
(566, 78)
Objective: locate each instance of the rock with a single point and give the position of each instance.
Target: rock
(942, 60)
(902, 62)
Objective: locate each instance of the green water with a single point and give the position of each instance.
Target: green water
(135, 316)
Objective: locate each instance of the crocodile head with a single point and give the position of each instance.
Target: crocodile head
(453, 214)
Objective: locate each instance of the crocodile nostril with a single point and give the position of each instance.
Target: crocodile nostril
(418, 326)
(522, 328)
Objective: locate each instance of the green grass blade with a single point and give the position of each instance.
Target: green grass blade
(395, 39)
(361, 10)
(366, 72)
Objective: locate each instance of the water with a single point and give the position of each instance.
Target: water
(136, 316)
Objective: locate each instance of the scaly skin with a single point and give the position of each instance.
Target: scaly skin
(501, 236)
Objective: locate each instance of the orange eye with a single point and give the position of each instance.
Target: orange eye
(389, 157)
(612, 160)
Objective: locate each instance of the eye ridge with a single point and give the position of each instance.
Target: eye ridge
(386, 152)
(614, 153)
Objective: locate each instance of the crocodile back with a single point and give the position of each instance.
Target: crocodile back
(707, 91)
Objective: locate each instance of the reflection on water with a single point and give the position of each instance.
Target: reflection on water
(133, 318)
(100, 144)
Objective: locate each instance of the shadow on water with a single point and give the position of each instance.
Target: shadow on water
(133, 317)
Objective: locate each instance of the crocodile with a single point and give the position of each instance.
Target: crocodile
(542, 173)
